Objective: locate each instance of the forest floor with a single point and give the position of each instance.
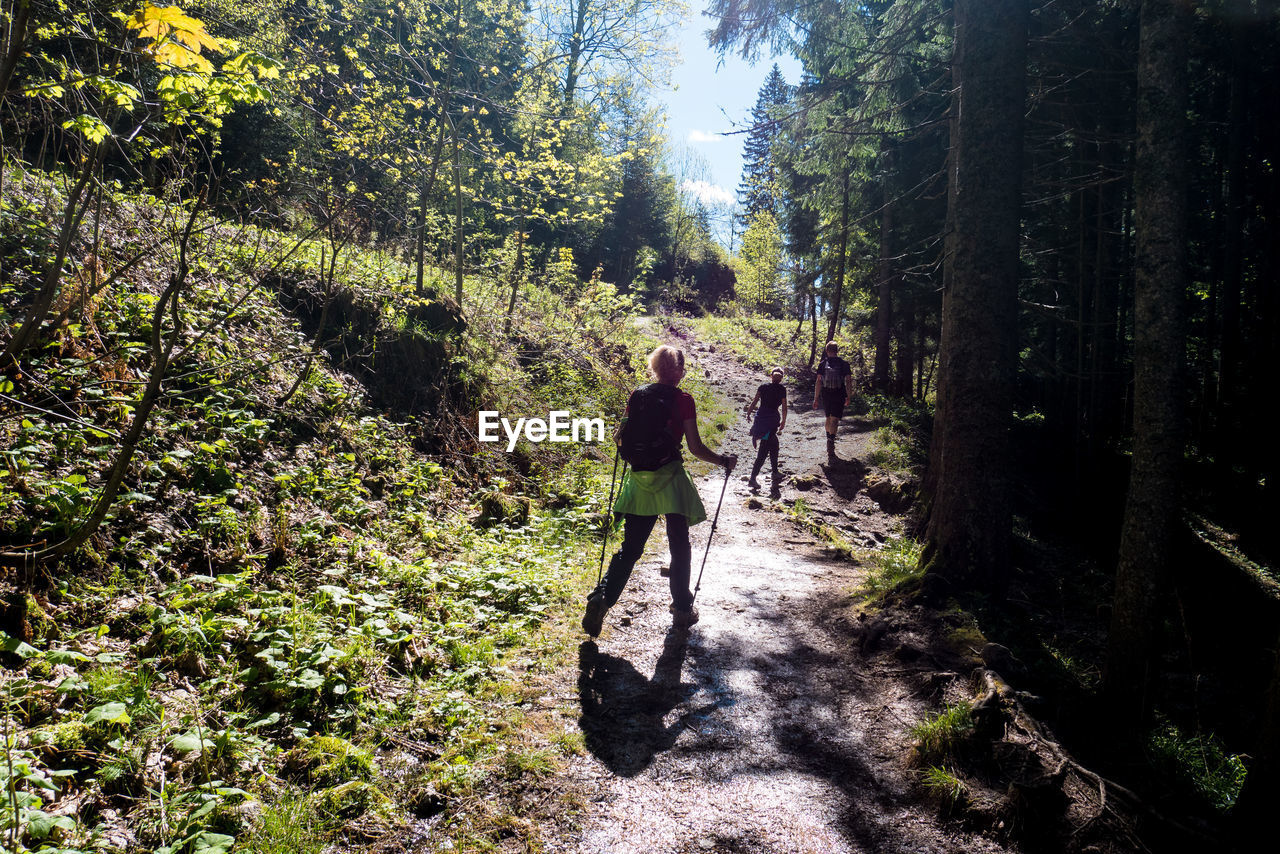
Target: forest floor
(764, 728)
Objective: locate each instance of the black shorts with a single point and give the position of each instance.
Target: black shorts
(833, 402)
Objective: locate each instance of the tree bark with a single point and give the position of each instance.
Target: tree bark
(837, 299)
(1160, 209)
(1254, 810)
(970, 517)
(813, 317)
(572, 68)
(517, 278)
(929, 482)
(15, 39)
(884, 306)
(902, 378)
(1228, 395)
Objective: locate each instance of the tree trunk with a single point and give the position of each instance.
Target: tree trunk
(970, 517)
(459, 237)
(1229, 354)
(906, 352)
(572, 67)
(15, 39)
(420, 249)
(884, 306)
(833, 326)
(921, 331)
(1106, 292)
(517, 278)
(929, 483)
(1261, 792)
(813, 317)
(1159, 291)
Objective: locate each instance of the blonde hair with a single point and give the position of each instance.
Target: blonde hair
(832, 347)
(777, 371)
(666, 362)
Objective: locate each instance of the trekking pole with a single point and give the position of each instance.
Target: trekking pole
(608, 519)
(714, 521)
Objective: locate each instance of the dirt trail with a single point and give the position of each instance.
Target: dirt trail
(762, 729)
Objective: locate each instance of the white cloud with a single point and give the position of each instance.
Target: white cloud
(702, 136)
(708, 193)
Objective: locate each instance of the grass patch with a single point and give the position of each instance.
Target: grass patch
(891, 451)
(1198, 763)
(900, 442)
(761, 343)
(940, 737)
(892, 565)
(944, 785)
(289, 825)
(835, 541)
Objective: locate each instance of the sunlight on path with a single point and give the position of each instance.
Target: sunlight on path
(755, 732)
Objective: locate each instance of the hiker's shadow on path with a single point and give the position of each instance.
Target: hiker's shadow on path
(623, 711)
(845, 476)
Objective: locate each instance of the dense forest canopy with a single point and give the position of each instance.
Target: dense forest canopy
(1048, 229)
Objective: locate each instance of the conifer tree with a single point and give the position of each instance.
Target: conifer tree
(759, 189)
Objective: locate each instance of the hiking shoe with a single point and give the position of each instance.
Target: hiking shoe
(753, 483)
(593, 619)
(683, 619)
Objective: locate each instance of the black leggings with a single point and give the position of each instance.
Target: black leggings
(768, 448)
(636, 532)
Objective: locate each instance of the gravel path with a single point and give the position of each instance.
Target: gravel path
(761, 729)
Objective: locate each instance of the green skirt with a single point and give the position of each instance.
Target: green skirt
(657, 493)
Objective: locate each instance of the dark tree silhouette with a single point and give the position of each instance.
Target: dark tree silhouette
(969, 523)
(1160, 205)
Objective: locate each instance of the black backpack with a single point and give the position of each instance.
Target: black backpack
(644, 439)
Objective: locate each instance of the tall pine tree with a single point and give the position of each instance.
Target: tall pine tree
(759, 189)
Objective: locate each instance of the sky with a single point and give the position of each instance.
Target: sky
(709, 98)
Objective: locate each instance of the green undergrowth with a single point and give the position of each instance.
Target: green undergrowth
(940, 743)
(900, 439)
(896, 563)
(308, 619)
(1197, 763)
(835, 541)
(944, 785)
(941, 737)
(759, 342)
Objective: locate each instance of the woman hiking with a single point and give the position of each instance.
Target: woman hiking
(659, 417)
(768, 423)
